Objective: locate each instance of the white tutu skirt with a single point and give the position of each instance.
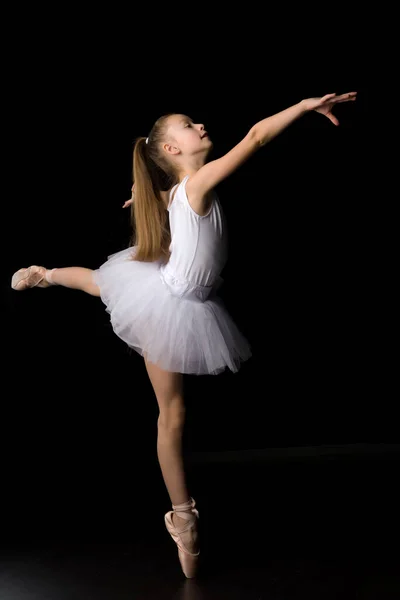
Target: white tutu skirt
(166, 322)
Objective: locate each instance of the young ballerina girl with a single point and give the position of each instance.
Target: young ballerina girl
(161, 293)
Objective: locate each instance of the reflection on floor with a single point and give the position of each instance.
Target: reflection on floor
(322, 527)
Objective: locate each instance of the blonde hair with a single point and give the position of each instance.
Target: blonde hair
(152, 173)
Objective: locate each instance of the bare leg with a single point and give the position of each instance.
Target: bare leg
(168, 389)
(77, 278)
(169, 393)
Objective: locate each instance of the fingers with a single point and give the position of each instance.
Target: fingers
(327, 97)
(332, 118)
(337, 99)
(129, 202)
(346, 97)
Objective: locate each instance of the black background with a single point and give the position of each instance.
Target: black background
(300, 281)
(304, 276)
(310, 419)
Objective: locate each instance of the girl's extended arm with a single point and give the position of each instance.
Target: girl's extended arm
(264, 131)
(260, 134)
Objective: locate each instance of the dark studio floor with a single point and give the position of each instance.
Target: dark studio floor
(279, 525)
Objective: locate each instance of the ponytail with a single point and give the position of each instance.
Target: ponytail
(149, 215)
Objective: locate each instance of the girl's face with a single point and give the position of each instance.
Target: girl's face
(186, 136)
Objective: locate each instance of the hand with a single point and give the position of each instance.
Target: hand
(131, 199)
(325, 104)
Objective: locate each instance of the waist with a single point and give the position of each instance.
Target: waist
(187, 289)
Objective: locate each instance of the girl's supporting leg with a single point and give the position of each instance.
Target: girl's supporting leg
(168, 388)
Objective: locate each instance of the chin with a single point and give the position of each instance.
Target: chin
(210, 145)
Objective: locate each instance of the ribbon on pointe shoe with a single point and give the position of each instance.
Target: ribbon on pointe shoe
(188, 512)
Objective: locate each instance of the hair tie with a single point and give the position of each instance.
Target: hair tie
(147, 140)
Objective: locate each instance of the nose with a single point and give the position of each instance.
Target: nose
(201, 126)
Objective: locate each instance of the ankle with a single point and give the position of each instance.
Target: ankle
(49, 276)
(178, 520)
(184, 524)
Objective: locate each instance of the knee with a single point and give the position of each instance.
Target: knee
(172, 418)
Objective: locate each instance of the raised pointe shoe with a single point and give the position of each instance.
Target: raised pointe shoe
(33, 276)
(189, 560)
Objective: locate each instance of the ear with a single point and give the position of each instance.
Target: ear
(170, 149)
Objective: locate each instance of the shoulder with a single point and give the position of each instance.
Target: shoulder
(167, 195)
(164, 196)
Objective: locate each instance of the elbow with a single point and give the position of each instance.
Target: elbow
(256, 137)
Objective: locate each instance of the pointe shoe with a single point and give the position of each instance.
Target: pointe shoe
(31, 277)
(189, 560)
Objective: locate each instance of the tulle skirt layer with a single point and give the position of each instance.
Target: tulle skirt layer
(166, 321)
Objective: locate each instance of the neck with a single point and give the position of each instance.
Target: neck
(191, 167)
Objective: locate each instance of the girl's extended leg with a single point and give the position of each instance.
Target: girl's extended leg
(77, 278)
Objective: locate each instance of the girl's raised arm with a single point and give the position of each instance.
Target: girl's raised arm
(212, 173)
